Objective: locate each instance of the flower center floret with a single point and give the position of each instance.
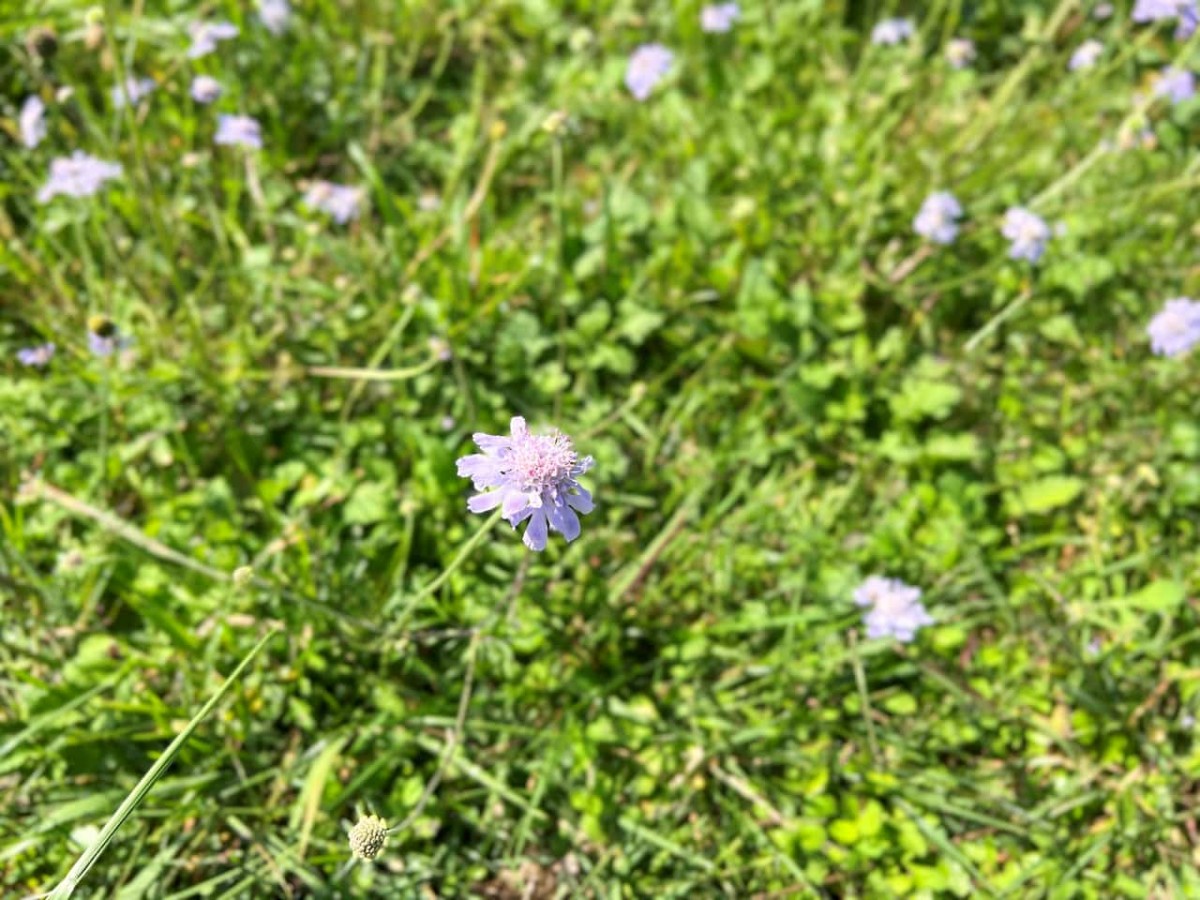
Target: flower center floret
(543, 463)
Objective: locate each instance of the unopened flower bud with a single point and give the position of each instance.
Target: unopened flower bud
(368, 837)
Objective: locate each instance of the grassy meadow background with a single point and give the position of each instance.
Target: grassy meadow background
(719, 295)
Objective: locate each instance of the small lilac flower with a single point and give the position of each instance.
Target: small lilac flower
(440, 348)
(206, 89)
(32, 121)
(889, 32)
(239, 131)
(1102, 11)
(275, 15)
(937, 219)
(1085, 56)
(648, 65)
(1028, 233)
(717, 18)
(106, 345)
(1188, 721)
(534, 479)
(77, 175)
(36, 356)
(1176, 328)
(895, 608)
(1094, 646)
(1185, 11)
(206, 36)
(338, 200)
(1175, 84)
(132, 91)
(960, 53)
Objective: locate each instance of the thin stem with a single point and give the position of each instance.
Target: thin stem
(860, 679)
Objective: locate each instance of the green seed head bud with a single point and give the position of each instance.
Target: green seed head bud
(368, 837)
(242, 576)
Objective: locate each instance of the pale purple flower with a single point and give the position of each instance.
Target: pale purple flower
(530, 477)
(206, 89)
(1175, 84)
(1085, 56)
(1185, 11)
(1102, 11)
(275, 15)
(106, 345)
(937, 219)
(240, 131)
(36, 356)
(892, 31)
(648, 65)
(1176, 328)
(960, 53)
(1188, 721)
(338, 200)
(77, 175)
(894, 609)
(717, 18)
(1028, 233)
(32, 121)
(440, 348)
(206, 36)
(132, 91)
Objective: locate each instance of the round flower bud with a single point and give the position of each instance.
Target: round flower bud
(242, 576)
(368, 837)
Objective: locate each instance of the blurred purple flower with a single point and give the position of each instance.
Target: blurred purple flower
(36, 356)
(717, 18)
(239, 131)
(206, 36)
(339, 201)
(894, 608)
(892, 31)
(960, 53)
(1028, 233)
(1186, 11)
(1176, 328)
(206, 89)
(530, 477)
(275, 15)
(1102, 11)
(106, 345)
(648, 65)
(32, 121)
(77, 175)
(1175, 84)
(132, 91)
(1085, 56)
(937, 219)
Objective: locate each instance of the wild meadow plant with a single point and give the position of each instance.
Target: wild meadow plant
(826, 295)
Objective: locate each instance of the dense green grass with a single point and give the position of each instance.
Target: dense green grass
(718, 293)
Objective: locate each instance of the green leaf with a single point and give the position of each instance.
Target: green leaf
(1045, 494)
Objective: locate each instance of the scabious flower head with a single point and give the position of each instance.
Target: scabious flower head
(206, 36)
(1175, 84)
(1085, 56)
(892, 31)
(132, 91)
(1028, 233)
(937, 219)
(648, 65)
(960, 53)
(1185, 11)
(894, 609)
(530, 477)
(239, 131)
(1176, 328)
(36, 356)
(32, 121)
(206, 89)
(77, 175)
(367, 837)
(338, 200)
(275, 15)
(718, 18)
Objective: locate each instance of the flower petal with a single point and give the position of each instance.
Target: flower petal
(483, 502)
(581, 500)
(536, 533)
(514, 502)
(564, 520)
